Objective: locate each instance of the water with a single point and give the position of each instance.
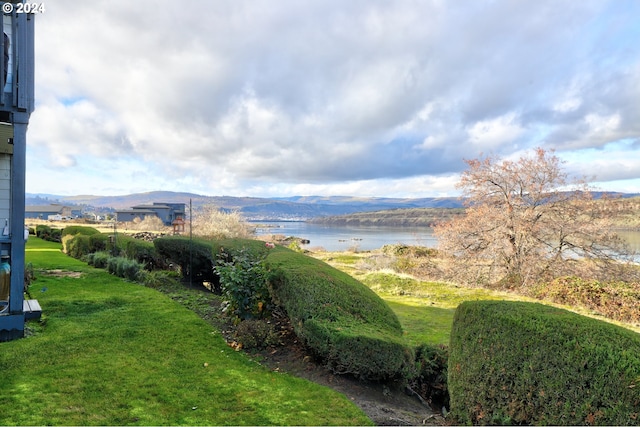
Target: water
(342, 238)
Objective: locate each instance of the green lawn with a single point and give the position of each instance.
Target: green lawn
(111, 352)
(425, 309)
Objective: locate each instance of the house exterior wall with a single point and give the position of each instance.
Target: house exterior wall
(16, 104)
(128, 216)
(5, 188)
(43, 212)
(167, 212)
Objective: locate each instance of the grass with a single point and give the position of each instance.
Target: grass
(111, 352)
(425, 309)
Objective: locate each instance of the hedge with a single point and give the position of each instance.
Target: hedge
(47, 233)
(232, 246)
(144, 253)
(77, 245)
(194, 256)
(344, 322)
(79, 229)
(100, 242)
(525, 363)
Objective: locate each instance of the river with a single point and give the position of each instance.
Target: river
(363, 238)
(342, 238)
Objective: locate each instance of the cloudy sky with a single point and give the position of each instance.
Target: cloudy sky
(328, 97)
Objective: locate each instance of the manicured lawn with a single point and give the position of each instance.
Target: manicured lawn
(425, 309)
(422, 324)
(111, 352)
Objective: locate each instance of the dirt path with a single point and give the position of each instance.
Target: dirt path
(384, 404)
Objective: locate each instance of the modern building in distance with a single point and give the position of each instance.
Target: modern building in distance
(47, 211)
(167, 212)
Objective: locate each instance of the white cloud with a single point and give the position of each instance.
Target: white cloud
(255, 96)
(602, 127)
(490, 134)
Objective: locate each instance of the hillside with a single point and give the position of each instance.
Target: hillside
(411, 217)
(625, 211)
(396, 211)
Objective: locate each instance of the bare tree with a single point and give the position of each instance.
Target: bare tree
(214, 223)
(525, 222)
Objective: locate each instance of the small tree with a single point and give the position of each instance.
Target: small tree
(525, 221)
(244, 284)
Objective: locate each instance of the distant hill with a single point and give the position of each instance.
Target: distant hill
(296, 208)
(404, 217)
(299, 208)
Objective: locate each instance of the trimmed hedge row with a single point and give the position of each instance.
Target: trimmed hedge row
(79, 229)
(194, 257)
(124, 267)
(344, 322)
(47, 233)
(144, 253)
(198, 257)
(525, 363)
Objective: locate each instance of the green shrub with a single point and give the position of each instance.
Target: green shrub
(340, 319)
(77, 246)
(42, 230)
(243, 280)
(195, 258)
(112, 265)
(99, 242)
(124, 267)
(254, 333)
(159, 279)
(615, 300)
(99, 259)
(400, 249)
(128, 268)
(524, 363)
(430, 381)
(118, 243)
(145, 253)
(56, 235)
(79, 229)
(233, 246)
(47, 233)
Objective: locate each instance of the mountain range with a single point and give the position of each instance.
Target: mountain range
(297, 208)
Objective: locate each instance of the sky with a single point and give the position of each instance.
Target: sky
(378, 98)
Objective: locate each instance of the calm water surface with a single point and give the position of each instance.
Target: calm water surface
(342, 238)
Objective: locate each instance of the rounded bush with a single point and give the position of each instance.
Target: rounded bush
(344, 322)
(79, 229)
(99, 242)
(100, 259)
(144, 253)
(77, 246)
(195, 257)
(525, 363)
